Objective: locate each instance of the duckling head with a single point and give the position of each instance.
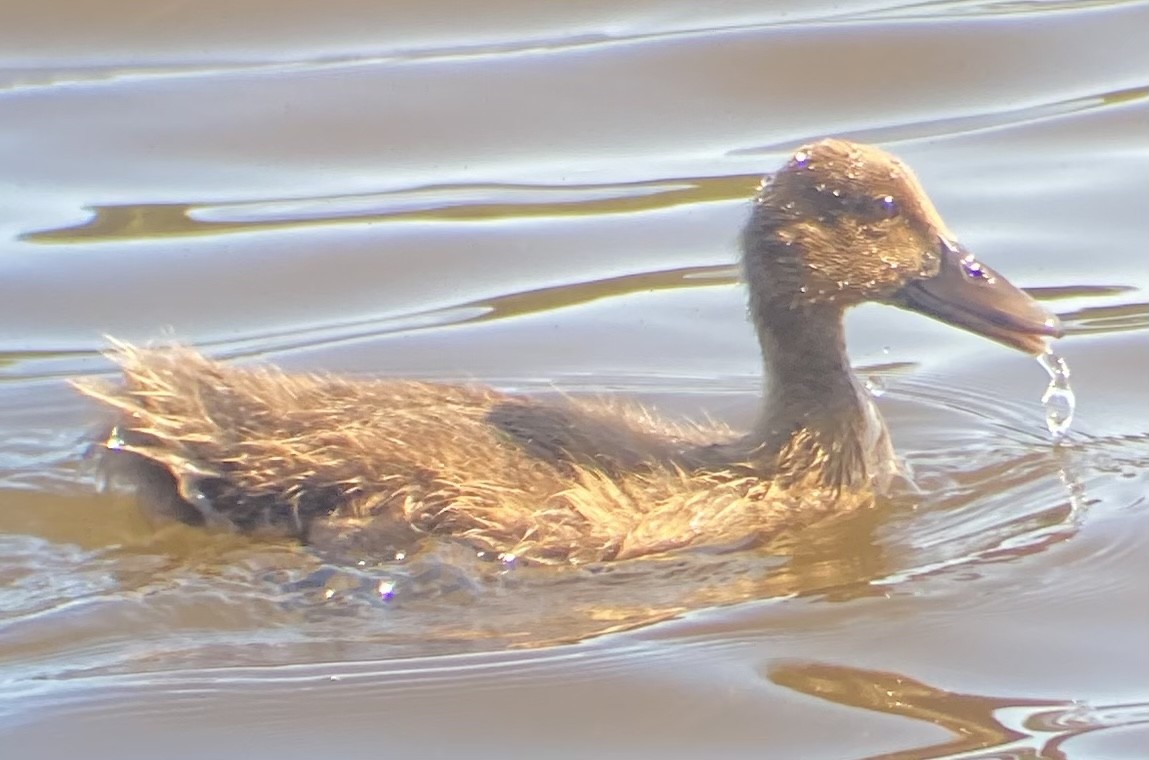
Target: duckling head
(843, 223)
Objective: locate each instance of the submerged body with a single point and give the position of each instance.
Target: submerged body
(370, 466)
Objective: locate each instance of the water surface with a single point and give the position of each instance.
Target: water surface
(547, 198)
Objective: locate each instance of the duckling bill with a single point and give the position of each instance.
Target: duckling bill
(373, 466)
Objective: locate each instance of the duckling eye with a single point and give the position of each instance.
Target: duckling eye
(874, 209)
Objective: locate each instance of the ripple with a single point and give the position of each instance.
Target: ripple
(27, 366)
(567, 35)
(992, 493)
(486, 202)
(983, 726)
(479, 202)
(970, 123)
(1110, 318)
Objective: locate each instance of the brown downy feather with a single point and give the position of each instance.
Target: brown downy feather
(355, 464)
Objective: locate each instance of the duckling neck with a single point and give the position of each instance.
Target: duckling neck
(804, 352)
(817, 420)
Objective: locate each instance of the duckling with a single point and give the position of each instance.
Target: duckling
(371, 466)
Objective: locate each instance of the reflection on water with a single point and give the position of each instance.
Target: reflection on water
(547, 197)
(985, 727)
(428, 204)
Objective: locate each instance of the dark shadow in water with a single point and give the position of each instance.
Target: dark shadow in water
(984, 726)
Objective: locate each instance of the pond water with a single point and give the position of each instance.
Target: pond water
(547, 197)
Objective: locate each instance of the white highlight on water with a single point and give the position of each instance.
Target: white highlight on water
(876, 386)
(1058, 399)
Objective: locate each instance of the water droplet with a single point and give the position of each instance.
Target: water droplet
(1059, 400)
(876, 386)
(191, 489)
(386, 590)
(115, 441)
(975, 271)
(801, 158)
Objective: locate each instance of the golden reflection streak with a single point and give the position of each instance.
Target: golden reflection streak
(160, 220)
(835, 559)
(971, 717)
(840, 559)
(1110, 318)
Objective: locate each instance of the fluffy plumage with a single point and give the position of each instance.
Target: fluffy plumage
(370, 464)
